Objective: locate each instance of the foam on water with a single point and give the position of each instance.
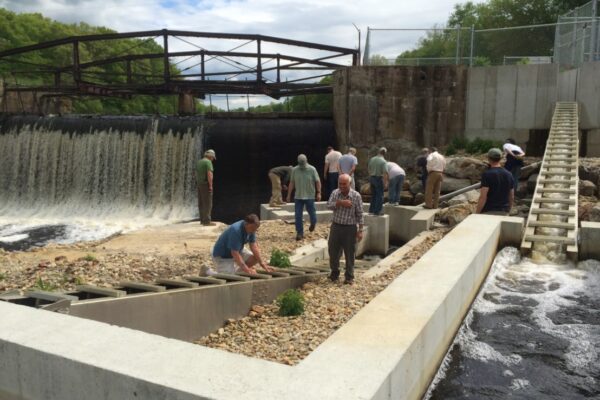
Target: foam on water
(527, 315)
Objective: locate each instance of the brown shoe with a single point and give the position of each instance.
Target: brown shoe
(349, 282)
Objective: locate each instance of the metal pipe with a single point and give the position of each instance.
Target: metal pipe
(594, 31)
(472, 43)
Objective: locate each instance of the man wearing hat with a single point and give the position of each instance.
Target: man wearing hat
(378, 180)
(497, 187)
(204, 180)
(305, 180)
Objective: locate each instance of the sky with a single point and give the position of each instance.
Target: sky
(321, 21)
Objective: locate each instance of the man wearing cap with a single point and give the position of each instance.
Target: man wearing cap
(305, 180)
(279, 176)
(204, 180)
(436, 163)
(348, 163)
(378, 180)
(497, 192)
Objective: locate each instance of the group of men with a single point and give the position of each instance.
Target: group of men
(229, 256)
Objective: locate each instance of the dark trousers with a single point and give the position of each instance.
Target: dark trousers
(204, 203)
(332, 183)
(342, 237)
(299, 205)
(376, 194)
(516, 173)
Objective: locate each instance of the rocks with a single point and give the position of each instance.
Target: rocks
(531, 183)
(455, 214)
(587, 188)
(594, 215)
(465, 168)
(417, 187)
(406, 198)
(406, 185)
(452, 184)
(365, 189)
(419, 198)
(589, 170)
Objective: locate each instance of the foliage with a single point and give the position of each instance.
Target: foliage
(46, 286)
(476, 146)
(291, 303)
(90, 257)
(18, 30)
(2, 276)
(377, 59)
(280, 259)
(496, 14)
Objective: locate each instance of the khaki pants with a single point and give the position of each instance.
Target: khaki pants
(204, 203)
(433, 188)
(276, 189)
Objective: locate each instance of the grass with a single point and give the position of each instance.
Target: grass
(280, 259)
(90, 257)
(2, 276)
(46, 286)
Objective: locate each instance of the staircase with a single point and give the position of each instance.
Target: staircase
(553, 214)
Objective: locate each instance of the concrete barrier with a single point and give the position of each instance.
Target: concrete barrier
(389, 349)
(590, 238)
(406, 222)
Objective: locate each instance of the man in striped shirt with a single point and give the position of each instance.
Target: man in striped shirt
(346, 228)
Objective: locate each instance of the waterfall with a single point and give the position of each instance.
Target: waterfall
(100, 175)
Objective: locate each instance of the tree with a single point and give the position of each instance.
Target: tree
(377, 59)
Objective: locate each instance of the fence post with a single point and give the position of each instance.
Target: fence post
(594, 37)
(457, 61)
(472, 43)
(367, 47)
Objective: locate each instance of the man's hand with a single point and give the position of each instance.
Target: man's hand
(319, 196)
(288, 198)
(210, 189)
(345, 203)
(249, 270)
(359, 236)
(267, 268)
(284, 187)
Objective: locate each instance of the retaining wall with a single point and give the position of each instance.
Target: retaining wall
(389, 349)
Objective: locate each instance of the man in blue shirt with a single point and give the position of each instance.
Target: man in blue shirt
(229, 255)
(497, 192)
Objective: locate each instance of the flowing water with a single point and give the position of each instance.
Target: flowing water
(84, 181)
(533, 332)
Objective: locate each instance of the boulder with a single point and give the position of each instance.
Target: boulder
(417, 187)
(585, 209)
(531, 182)
(594, 215)
(465, 168)
(455, 214)
(527, 172)
(587, 188)
(523, 189)
(365, 189)
(419, 198)
(589, 170)
(406, 198)
(406, 185)
(451, 184)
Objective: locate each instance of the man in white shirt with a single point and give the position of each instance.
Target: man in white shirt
(396, 177)
(331, 171)
(514, 160)
(436, 163)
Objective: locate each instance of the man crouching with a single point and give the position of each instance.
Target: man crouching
(229, 255)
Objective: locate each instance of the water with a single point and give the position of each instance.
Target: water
(72, 179)
(533, 333)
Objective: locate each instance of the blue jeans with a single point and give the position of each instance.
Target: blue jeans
(376, 194)
(395, 188)
(332, 183)
(312, 213)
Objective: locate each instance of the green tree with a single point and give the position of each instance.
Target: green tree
(378, 59)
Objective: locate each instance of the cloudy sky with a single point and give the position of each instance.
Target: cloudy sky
(321, 21)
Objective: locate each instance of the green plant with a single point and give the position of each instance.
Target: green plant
(79, 280)
(290, 303)
(450, 150)
(44, 285)
(280, 259)
(90, 257)
(2, 276)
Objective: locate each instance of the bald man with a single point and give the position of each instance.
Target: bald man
(346, 229)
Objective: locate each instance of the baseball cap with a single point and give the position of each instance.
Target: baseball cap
(302, 160)
(210, 152)
(494, 154)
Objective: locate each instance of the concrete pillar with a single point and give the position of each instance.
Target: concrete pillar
(590, 237)
(187, 104)
(406, 222)
(593, 143)
(379, 233)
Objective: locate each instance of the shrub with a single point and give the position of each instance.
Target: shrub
(280, 259)
(450, 150)
(90, 257)
(45, 286)
(2, 276)
(290, 303)
(459, 143)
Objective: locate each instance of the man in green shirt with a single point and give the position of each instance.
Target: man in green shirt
(204, 179)
(378, 180)
(305, 180)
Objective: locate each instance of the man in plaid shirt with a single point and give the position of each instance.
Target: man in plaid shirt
(346, 228)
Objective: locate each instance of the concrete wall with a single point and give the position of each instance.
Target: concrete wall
(389, 349)
(510, 100)
(403, 108)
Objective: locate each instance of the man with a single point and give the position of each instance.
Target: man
(279, 176)
(422, 166)
(436, 163)
(497, 192)
(396, 177)
(348, 163)
(305, 180)
(514, 160)
(204, 180)
(331, 171)
(229, 255)
(378, 180)
(346, 229)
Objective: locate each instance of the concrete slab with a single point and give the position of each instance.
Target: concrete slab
(590, 237)
(406, 222)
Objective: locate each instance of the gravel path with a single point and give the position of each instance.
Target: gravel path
(264, 334)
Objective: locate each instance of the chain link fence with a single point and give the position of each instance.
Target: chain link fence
(572, 40)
